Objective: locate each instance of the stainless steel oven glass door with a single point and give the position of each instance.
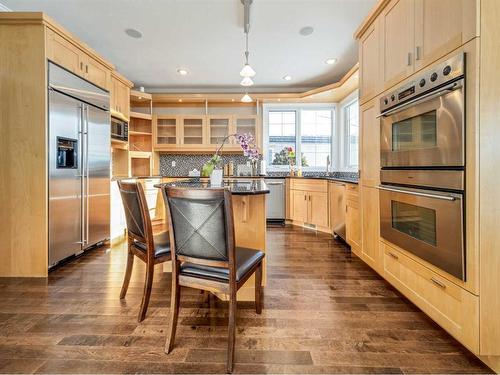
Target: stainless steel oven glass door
(426, 133)
(425, 223)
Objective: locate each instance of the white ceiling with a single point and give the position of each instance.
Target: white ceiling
(206, 37)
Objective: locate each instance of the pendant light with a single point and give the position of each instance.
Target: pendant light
(246, 98)
(246, 81)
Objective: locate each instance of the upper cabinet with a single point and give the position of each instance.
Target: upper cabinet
(441, 26)
(408, 35)
(120, 96)
(61, 50)
(369, 57)
(397, 27)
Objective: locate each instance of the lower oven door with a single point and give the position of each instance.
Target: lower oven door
(426, 223)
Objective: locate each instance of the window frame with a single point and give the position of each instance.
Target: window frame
(298, 108)
(343, 134)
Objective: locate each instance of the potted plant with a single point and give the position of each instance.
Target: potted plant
(247, 144)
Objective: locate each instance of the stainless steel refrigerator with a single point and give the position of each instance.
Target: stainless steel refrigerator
(79, 164)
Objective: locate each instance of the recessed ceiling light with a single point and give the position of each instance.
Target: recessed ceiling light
(287, 77)
(331, 61)
(182, 72)
(133, 33)
(306, 30)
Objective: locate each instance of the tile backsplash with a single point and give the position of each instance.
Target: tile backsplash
(185, 163)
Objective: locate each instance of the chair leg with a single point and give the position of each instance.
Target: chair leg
(232, 330)
(258, 289)
(128, 273)
(147, 291)
(174, 313)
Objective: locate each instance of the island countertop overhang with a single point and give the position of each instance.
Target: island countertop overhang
(236, 187)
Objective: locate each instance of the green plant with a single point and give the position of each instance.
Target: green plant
(287, 157)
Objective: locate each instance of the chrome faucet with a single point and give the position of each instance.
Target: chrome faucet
(328, 164)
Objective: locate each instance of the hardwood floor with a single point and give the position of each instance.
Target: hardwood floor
(331, 314)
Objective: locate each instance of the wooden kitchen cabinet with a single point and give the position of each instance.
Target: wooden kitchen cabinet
(166, 132)
(369, 57)
(397, 22)
(309, 203)
(442, 26)
(300, 205)
(65, 53)
(193, 131)
(370, 224)
(120, 96)
(453, 308)
(370, 144)
(353, 219)
(218, 128)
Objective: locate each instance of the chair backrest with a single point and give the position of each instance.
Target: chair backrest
(136, 211)
(201, 225)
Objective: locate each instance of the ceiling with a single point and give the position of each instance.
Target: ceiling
(206, 38)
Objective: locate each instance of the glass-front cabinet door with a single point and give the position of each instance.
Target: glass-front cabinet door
(219, 127)
(166, 132)
(247, 124)
(193, 130)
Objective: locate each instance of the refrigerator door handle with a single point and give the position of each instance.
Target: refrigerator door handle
(86, 175)
(82, 173)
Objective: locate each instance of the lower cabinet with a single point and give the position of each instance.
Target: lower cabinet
(452, 307)
(353, 220)
(370, 218)
(309, 202)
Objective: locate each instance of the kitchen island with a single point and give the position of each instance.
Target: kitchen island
(249, 211)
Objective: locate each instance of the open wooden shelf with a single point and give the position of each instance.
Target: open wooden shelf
(144, 116)
(133, 132)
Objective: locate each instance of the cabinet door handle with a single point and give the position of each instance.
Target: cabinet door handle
(393, 255)
(81, 65)
(309, 198)
(86, 68)
(438, 283)
(409, 58)
(417, 53)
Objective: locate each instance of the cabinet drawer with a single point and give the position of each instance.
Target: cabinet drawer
(352, 192)
(309, 185)
(452, 307)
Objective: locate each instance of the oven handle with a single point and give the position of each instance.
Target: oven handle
(431, 95)
(427, 195)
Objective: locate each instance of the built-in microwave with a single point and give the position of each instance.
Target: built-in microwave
(119, 129)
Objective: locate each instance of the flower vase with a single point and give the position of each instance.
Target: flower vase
(216, 177)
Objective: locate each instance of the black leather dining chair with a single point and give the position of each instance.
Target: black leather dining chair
(204, 254)
(141, 243)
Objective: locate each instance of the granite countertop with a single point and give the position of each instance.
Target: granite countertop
(239, 187)
(320, 176)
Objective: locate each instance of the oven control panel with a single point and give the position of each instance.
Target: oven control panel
(439, 75)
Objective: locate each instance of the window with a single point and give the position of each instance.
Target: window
(352, 135)
(282, 129)
(316, 138)
(306, 129)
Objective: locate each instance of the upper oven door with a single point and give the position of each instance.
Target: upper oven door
(426, 223)
(425, 132)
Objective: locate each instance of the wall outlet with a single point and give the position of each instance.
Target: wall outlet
(173, 163)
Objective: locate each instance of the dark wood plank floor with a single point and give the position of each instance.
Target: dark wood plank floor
(330, 314)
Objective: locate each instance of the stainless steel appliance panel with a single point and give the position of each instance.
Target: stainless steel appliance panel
(97, 175)
(275, 201)
(65, 183)
(337, 209)
(429, 133)
(430, 178)
(426, 223)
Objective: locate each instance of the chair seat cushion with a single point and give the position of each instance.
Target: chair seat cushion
(245, 260)
(162, 244)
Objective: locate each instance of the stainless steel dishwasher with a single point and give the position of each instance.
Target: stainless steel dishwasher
(275, 200)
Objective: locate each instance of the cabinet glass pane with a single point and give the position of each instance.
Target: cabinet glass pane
(219, 129)
(193, 131)
(245, 125)
(166, 132)
(415, 221)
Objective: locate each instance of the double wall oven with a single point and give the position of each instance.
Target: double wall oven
(422, 145)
